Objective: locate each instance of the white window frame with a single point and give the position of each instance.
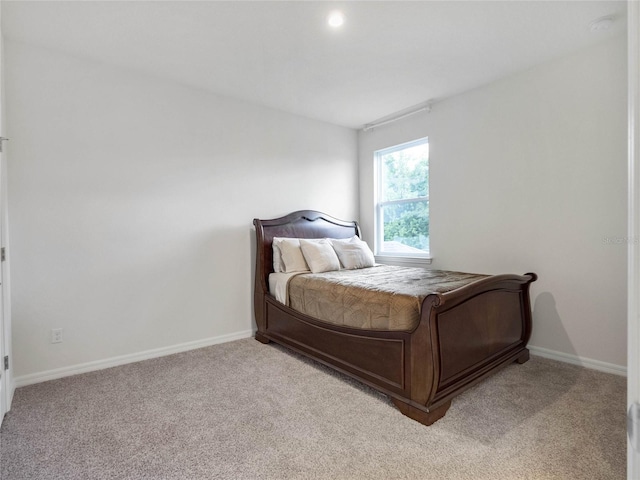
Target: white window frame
(394, 257)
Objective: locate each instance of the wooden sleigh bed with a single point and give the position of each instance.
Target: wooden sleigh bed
(462, 335)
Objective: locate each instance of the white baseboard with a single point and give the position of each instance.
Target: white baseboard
(32, 378)
(575, 360)
(39, 377)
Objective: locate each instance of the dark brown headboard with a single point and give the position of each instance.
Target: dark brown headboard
(300, 224)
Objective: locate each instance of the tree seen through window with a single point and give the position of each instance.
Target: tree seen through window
(403, 199)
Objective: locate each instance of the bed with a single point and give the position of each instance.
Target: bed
(461, 336)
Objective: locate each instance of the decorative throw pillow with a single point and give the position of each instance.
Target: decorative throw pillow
(320, 255)
(277, 255)
(353, 253)
(291, 255)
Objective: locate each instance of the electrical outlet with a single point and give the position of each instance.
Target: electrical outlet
(56, 335)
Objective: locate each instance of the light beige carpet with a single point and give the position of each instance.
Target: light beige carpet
(244, 410)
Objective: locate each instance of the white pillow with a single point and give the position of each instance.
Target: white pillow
(291, 255)
(278, 266)
(353, 253)
(320, 255)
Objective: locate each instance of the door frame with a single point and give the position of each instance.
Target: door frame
(633, 279)
(7, 383)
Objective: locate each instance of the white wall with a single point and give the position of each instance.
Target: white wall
(132, 199)
(132, 202)
(529, 174)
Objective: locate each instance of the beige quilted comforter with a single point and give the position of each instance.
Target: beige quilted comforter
(380, 298)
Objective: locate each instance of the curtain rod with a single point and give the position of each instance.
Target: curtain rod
(371, 126)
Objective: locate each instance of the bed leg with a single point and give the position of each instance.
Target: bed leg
(524, 357)
(261, 338)
(426, 418)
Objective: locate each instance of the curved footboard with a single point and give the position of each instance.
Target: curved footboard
(464, 336)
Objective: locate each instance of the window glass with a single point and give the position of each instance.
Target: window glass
(402, 207)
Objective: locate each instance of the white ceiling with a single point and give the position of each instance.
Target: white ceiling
(388, 56)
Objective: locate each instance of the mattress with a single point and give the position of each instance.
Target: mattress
(383, 297)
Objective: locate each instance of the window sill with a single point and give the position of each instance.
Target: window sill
(403, 261)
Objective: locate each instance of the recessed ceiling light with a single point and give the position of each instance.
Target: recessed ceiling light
(335, 19)
(602, 23)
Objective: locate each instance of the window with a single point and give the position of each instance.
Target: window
(402, 200)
